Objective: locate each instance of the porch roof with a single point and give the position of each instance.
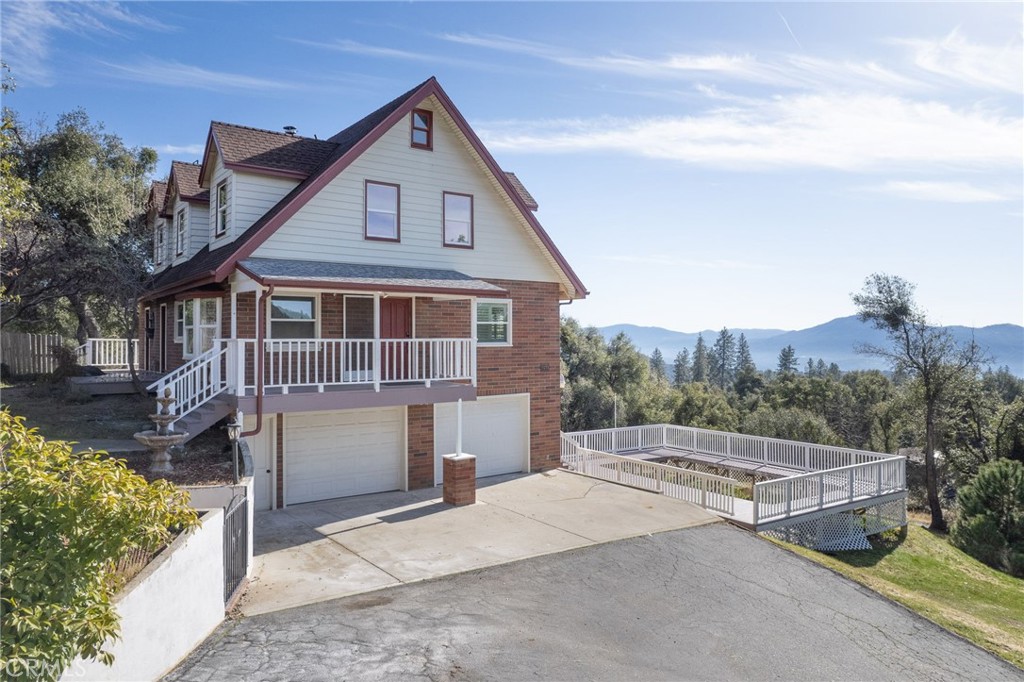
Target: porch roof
(282, 272)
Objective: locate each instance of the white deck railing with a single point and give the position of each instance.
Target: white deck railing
(823, 475)
(717, 493)
(295, 363)
(107, 353)
(197, 381)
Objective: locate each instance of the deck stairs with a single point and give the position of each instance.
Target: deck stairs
(205, 416)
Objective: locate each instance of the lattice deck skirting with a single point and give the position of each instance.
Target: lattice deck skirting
(847, 530)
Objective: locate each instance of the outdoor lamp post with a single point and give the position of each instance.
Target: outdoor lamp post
(234, 432)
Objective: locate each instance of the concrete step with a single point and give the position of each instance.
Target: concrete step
(201, 419)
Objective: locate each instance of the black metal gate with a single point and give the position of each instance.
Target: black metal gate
(236, 544)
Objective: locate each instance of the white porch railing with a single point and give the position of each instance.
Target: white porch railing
(107, 353)
(824, 476)
(197, 381)
(717, 493)
(294, 363)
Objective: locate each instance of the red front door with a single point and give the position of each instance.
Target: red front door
(395, 323)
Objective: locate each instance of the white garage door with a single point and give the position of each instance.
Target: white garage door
(349, 452)
(496, 429)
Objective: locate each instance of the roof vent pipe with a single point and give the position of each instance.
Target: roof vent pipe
(289, 130)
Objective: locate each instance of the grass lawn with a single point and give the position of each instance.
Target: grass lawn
(925, 573)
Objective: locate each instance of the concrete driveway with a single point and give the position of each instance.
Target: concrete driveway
(314, 552)
(706, 603)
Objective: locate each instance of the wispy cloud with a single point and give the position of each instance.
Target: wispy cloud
(379, 52)
(29, 30)
(689, 261)
(173, 149)
(955, 58)
(843, 132)
(178, 74)
(941, 191)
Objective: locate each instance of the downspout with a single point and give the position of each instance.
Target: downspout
(261, 329)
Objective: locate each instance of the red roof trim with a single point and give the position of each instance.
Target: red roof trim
(210, 139)
(197, 281)
(325, 177)
(430, 87)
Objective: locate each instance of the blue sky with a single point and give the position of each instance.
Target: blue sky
(700, 164)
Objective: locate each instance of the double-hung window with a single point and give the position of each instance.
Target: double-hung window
(180, 232)
(458, 220)
(221, 217)
(422, 134)
(494, 322)
(199, 325)
(292, 317)
(382, 217)
(179, 320)
(158, 248)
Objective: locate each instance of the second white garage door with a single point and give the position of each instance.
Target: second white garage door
(496, 429)
(348, 452)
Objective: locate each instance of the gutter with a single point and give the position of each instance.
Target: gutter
(261, 330)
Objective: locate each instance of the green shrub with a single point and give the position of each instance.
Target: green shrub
(990, 526)
(65, 520)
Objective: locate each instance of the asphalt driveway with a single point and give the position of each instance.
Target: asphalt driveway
(704, 603)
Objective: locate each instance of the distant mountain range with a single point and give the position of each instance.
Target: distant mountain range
(834, 341)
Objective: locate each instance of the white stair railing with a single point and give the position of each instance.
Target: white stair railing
(196, 382)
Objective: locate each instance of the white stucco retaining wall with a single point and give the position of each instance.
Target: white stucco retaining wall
(166, 610)
(213, 496)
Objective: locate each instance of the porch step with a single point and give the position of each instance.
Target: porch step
(201, 419)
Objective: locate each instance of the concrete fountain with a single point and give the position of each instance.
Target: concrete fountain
(160, 440)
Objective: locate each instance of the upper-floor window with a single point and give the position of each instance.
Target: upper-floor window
(494, 322)
(458, 220)
(422, 129)
(179, 243)
(158, 245)
(382, 221)
(221, 217)
(292, 317)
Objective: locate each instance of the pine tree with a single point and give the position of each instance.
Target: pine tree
(658, 364)
(701, 361)
(787, 360)
(744, 361)
(810, 367)
(723, 359)
(682, 372)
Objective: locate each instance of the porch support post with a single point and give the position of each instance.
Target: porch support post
(234, 312)
(473, 341)
(376, 342)
(458, 428)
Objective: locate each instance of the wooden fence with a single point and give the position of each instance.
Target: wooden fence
(29, 353)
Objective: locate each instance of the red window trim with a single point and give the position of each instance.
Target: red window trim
(398, 211)
(472, 221)
(429, 129)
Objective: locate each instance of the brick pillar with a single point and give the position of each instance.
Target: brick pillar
(459, 479)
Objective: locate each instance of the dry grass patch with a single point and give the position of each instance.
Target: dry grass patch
(922, 571)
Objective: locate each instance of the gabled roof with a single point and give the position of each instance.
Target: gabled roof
(265, 151)
(185, 178)
(157, 196)
(349, 143)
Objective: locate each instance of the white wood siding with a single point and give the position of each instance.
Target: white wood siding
(253, 196)
(198, 227)
(330, 226)
(221, 173)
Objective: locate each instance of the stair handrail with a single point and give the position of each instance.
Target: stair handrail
(196, 382)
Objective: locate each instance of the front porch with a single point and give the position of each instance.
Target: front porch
(826, 497)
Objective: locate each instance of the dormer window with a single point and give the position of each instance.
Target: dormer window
(158, 248)
(180, 225)
(221, 216)
(422, 129)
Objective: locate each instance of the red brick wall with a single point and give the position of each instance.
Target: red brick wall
(530, 365)
(439, 319)
(420, 458)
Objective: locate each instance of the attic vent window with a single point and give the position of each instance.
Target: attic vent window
(422, 129)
